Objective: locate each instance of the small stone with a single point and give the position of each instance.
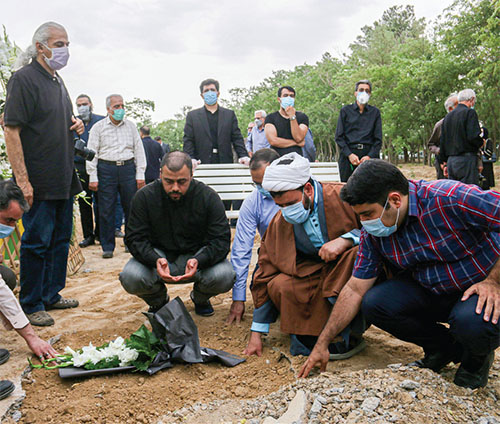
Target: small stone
(322, 400)
(370, 404)
(316, 407)
(141, 381)
(409, 385)
(85, 419)
(394, 366)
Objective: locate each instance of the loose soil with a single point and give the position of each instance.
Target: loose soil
(107, 311)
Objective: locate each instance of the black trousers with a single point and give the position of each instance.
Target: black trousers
(85, 204)
(463, 168)
(346, 168)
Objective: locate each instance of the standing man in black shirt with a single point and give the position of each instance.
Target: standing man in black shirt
(212, 130)
(90, 233)
(359, 131)
(38, 135)
(286, 128)
(154, 155)
(178, 233)
(461, 140)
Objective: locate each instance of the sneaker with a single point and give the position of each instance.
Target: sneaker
(204, 309)
(63, 303)
(107, 255)
(86, 242)
(4, 356)
(40, 319)
(476, 378)
(6, 388)
(119, 234)
(339, 351)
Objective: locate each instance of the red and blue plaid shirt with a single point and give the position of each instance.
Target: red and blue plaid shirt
(450, 240)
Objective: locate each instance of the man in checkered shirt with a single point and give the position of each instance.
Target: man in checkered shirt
(440, 243)
(118, 167)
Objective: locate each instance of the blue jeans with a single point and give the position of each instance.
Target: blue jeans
(44, 253)
(402, 307)
(113, 180)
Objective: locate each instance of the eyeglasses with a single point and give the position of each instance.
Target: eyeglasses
(366, 90)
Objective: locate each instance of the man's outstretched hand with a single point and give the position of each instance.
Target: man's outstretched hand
(318, 357)
(254, 346)
(236, 312)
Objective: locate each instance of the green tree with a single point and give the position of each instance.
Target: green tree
(140, 110)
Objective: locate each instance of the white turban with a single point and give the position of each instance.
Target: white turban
(289, 172)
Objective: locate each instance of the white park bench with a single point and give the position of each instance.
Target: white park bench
(232, 181)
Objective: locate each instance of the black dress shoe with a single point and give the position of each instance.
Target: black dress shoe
(436, 361)
(6, 388)
(477, 377)
(4, 356)
(86, 242)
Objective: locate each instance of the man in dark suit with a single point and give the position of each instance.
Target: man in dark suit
(461, 140)
(154, 155)
(211, 131)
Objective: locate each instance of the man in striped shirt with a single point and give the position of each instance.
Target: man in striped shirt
(440, 241)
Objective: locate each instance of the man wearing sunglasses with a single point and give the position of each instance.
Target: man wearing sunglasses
(359, 131)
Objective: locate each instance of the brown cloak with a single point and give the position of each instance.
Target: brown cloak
(299, 288)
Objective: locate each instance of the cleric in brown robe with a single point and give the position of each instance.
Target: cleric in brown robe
(305, 259)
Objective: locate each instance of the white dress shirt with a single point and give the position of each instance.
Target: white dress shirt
(11, 314)
(116, 143)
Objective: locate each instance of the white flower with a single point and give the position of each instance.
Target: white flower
(92, 354)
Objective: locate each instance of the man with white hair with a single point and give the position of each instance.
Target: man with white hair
(433, 144)
(305, 258)
(257, 139)
(118, 167)
(461, 140)
(39, 125)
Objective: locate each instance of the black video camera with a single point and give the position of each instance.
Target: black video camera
(82, 150)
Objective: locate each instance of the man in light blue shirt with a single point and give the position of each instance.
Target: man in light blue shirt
(305, 259)
(257, 139)
(256, 212)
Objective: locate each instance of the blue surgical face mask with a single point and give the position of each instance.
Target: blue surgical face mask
(287, 101)
(5, 230)
(118, 114)
(263, 191)
(210, 97)
(376, 227)
(295, 214)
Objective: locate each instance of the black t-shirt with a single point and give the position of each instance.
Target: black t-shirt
(284, 130)
(39, 104)
(213, 122)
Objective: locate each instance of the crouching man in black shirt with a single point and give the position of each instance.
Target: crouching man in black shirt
(178, 233)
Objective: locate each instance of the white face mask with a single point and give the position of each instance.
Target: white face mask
(362, 97)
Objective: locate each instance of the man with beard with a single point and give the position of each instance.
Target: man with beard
(177, 232)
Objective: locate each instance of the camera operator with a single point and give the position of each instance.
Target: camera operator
(90, 232)
(39, 125)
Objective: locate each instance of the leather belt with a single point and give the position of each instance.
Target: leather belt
(116, 162)
(359, 146)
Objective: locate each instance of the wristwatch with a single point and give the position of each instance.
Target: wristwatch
(293, 118)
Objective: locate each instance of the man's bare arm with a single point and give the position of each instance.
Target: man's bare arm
(345, 309)
(275, 141)
(299, 131)
(16, 158)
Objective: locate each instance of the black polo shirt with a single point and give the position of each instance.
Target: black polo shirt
(39, 103)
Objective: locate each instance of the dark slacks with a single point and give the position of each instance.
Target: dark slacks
(113, 180)
(463, 168)
(85, 204)
(439, 171)
(44, 253)
(402, 307)
(346, 168)
(8, 276)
